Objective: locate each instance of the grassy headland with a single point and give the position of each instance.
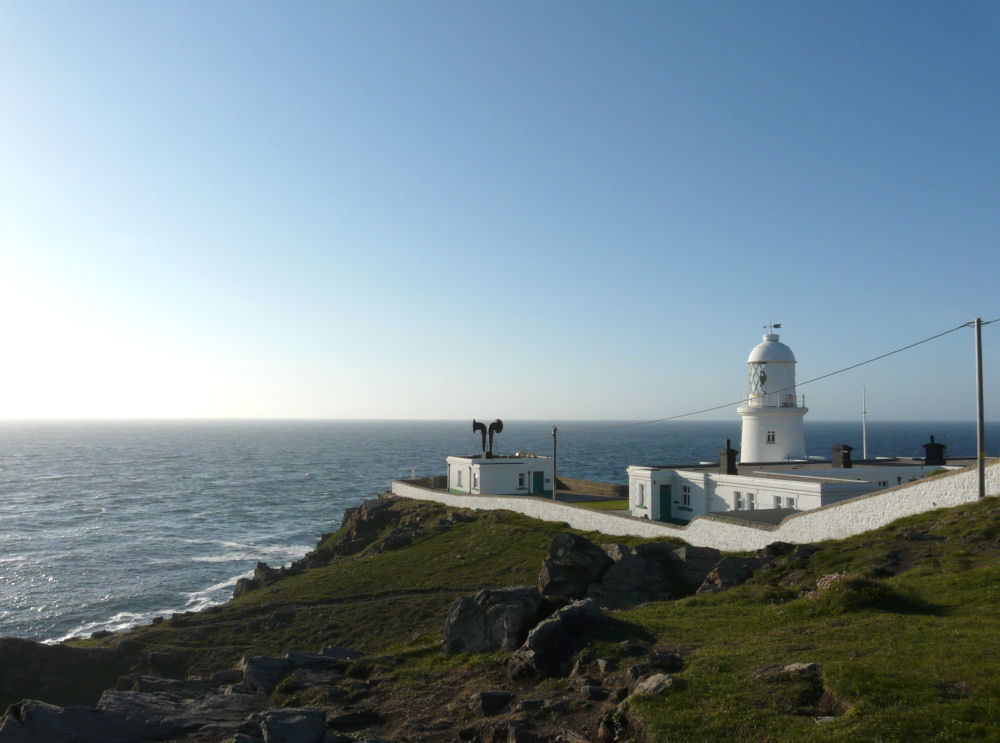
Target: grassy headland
(905, 630)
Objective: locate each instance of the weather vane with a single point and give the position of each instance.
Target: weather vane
(770, 327)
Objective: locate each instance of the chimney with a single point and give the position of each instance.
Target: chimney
(727, 459)
(934, 453)
(842, 456)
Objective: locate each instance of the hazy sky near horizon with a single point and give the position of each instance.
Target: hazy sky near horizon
(526, 210)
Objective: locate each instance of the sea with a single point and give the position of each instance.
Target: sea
(105, 525)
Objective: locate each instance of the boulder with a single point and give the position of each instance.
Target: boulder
(490, 702)
(182, 712)
(636, 576)
(491, 620)
(37, 722)
(653, 684)
(573, 563)
(731, 571)
(293, 726)
(262, 673)
(549, 646)
(691, 565)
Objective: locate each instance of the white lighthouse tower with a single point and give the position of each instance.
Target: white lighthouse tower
(772, 415)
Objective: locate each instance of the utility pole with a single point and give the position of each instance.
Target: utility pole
(980, 424)
(555, 479)
(864, 423)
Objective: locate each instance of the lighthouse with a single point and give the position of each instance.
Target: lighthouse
(772, 416)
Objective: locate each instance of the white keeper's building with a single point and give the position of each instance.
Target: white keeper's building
(773, 473)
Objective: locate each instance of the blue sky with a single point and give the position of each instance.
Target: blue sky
(527, 210)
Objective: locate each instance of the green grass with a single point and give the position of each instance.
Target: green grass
(619, 504)
(906, 634)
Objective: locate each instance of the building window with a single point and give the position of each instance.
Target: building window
(738, 500)
(777, 501)
(686, 495)
(751, 501)
(520, 480)
(458, 478)
(475, 480)
(770, 437)
(640, 496)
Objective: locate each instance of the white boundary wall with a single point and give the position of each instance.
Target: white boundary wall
(717, 530)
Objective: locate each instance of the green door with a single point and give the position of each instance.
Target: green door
(538, 482)
(664, 502)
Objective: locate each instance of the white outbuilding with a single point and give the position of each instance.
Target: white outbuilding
(499, 474)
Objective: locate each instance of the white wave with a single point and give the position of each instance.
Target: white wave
(229, 557)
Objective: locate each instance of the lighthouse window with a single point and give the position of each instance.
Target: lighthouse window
(770, 437)
(686, 494)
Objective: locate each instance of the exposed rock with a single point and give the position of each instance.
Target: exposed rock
(730, 571)
(180, 711)
(331, 651)
(37, 722)
(791, 669)
(653, 684)
(573, 563)
(549, 646)
(691, 565)
(293, 726)
(262, 673)
(776, 549)
(491, 620)
(636, 576)
(310, 661)
(58, 673)
(490, 702)
(354, 721)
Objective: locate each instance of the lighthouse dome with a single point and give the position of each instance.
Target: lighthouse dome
(770, 350)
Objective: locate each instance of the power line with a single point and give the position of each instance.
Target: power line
(800, 384)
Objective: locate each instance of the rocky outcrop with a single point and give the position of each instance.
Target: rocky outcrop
(572, 565)
(691, 565)
(263, 673)
(59, 673)
(129, 717)
(362, 526)
(491, 620)
(731, 571)
(549, 647)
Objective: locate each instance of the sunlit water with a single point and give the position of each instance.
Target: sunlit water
(104, 525)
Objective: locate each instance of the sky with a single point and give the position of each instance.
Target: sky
(559, 210)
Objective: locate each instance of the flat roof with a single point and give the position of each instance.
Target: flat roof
(812, 470)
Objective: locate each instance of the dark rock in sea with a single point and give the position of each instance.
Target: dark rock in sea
(491, 620)
(573, 563)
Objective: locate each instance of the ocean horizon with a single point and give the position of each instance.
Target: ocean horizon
(106, 524)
